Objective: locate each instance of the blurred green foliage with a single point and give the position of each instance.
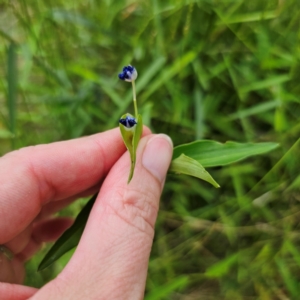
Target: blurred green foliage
(213, 69)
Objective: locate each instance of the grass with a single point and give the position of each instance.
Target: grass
(221, 70)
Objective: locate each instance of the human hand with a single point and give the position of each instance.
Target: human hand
(111, 259)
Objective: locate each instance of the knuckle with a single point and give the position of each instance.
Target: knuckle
(136, 207)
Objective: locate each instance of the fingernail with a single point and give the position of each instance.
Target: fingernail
(157, 156)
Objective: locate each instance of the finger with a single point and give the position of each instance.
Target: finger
(18, 243)
(31, 248)
(44, 231)
(55, 206)
(11, 270)
(112, 257)
(56, 171)
(50, 230)
(15, 292)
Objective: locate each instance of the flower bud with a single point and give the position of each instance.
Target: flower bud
(129, 73)
(128, 121)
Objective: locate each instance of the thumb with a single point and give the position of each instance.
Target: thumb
(111, 260)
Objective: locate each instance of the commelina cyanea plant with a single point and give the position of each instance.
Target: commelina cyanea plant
(189, 159)
(131, 127)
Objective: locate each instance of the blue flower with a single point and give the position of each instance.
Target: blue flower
(129, 122)
(129, 73)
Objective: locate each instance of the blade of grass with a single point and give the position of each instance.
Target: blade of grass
(12, 82)
(263, 84)
(166, 290)
(254, 110)
(291, 284)
(171, 71)
(250, 17)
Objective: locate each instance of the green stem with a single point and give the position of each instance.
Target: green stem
(134, 100)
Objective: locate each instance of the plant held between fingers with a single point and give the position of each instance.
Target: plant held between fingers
(188, 159)
(131, 127)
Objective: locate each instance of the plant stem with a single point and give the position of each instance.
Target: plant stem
(134, 100)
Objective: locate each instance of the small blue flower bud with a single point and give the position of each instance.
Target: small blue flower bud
(128, 122)
(129, 73)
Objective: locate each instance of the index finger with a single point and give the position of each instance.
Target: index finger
(34, 176)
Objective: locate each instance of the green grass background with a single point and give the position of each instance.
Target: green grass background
(213, 69)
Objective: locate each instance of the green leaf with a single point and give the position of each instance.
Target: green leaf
(188, 166)
(12, 88)
(222, 267)
(131, 138)
(6, 134)
(161, 292)
(70, 238)
(212, 154)
(286, 273)
(249, 17)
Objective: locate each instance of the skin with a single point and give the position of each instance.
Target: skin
(111, 259)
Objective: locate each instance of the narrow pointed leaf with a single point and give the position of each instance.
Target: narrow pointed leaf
(70, 238)
(12, 88)
(131, 138)
(222, 267)
(212, 154)
(127, 136)
(188, 166)
(165, 291)
(136, 138)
